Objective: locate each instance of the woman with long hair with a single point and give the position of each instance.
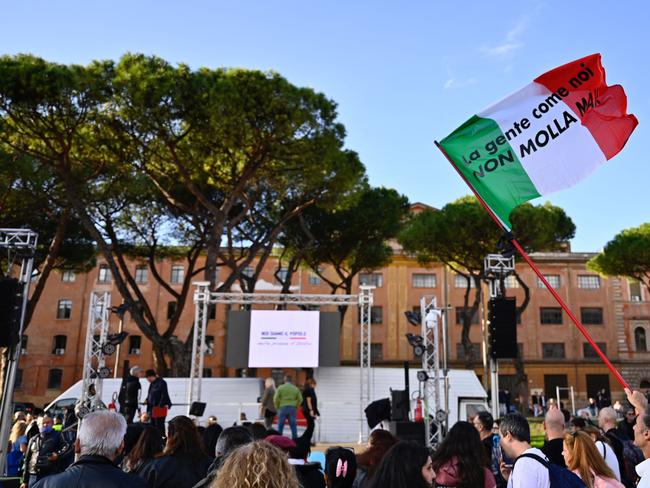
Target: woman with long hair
(19, 442)
(379, 442)
(267, 407)
(405, 465)
(340, 467)
(460, 461)
(604, 447)
(147, 447)
(581, 457)
(183, 462)
(256, 465)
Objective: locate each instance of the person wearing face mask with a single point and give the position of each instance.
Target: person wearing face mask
(99, 442)
(43, 453)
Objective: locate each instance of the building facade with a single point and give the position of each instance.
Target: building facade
(615, 312)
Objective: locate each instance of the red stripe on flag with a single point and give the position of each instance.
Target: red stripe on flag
(601, 109)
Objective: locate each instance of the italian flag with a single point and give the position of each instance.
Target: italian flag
(545, 137)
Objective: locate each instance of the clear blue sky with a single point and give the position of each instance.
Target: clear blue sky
(402, 73)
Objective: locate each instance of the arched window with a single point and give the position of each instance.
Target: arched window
(639, 339)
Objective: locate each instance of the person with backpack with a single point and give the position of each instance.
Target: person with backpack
(531, 468)
(583, 459)
(628, 457)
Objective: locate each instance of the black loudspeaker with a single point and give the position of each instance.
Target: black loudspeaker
(11, 302)
(408, 431)
(377, 411)
(502, 314)
(399, 405)
(197, 409)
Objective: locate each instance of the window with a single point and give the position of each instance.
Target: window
(590, 353)
(212, 311)
(553, 280)
(553, 350)
(67, 276)
(58, 345)
(178, 274)
(171, 309)
(476, 351)
(459, 315)
(423, 280)
(590, 282)
(371, 279)
(591, 315)
(282, 275)
(209, 345)
(511, 282)
(64, 309)
(550, 315)
(207, 372)
(314, 279)
(23, 344)
(635, 291)
(376, 315)
(54, 379)
(376, 352)
(461, 282)
(18, 380)
(104, 275)
(640, 340)
(135, 343)
(141, 274)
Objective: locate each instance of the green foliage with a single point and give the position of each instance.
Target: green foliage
(351, 237)
(628, 254)
(149, 155)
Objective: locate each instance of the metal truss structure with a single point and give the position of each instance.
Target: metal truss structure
(94, 368)
(435, 377)
(203, 298)
(19, 245)
(496, 267)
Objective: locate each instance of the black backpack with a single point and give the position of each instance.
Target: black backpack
(559, 477)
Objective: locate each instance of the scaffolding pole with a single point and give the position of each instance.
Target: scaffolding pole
(203, 298)
(20, 245)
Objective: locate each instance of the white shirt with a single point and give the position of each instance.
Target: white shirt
(610, 458)
(643, 470)
(530, 473)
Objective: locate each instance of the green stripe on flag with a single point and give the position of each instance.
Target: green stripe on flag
(481, 152)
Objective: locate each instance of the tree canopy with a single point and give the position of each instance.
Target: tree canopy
(462, 233)
(627, 254)
(220, 160)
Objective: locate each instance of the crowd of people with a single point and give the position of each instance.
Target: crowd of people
(107, 451)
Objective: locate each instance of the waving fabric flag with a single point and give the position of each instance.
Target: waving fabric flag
(545, 137)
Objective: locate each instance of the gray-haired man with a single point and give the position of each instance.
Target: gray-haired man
(99, 442)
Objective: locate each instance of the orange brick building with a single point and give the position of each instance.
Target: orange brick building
(615, 312)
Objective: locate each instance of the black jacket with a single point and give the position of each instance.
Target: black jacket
(129, 391)
(309, 475)
(92, 472)
(39, 448)
(182, 470)
(158, 396)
